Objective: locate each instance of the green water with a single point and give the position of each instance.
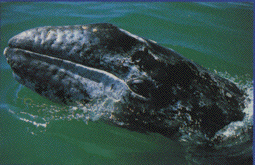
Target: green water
(34, 130)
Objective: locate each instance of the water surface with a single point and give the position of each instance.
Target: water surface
(218, 36)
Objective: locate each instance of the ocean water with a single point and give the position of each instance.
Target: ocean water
(34, 130)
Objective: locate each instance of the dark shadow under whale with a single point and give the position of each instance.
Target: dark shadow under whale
(141, 85)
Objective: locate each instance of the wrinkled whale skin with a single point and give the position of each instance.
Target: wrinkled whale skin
(155, 88)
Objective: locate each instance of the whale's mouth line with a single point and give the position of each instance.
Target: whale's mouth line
(72, 66)
(44, 70)
(34, 69)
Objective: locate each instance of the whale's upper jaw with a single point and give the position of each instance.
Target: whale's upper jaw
(101, 46)
(154, 87)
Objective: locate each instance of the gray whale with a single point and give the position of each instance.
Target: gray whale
(149, 87)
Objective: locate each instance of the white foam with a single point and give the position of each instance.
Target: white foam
(34, 122)
(249, 106)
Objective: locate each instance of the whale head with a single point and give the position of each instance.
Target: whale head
(140, 85)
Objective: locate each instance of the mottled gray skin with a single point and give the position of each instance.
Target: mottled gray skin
(152, 88)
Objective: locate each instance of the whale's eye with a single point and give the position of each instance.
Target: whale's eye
(140, 55)
(141, 86)
(145, 59)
